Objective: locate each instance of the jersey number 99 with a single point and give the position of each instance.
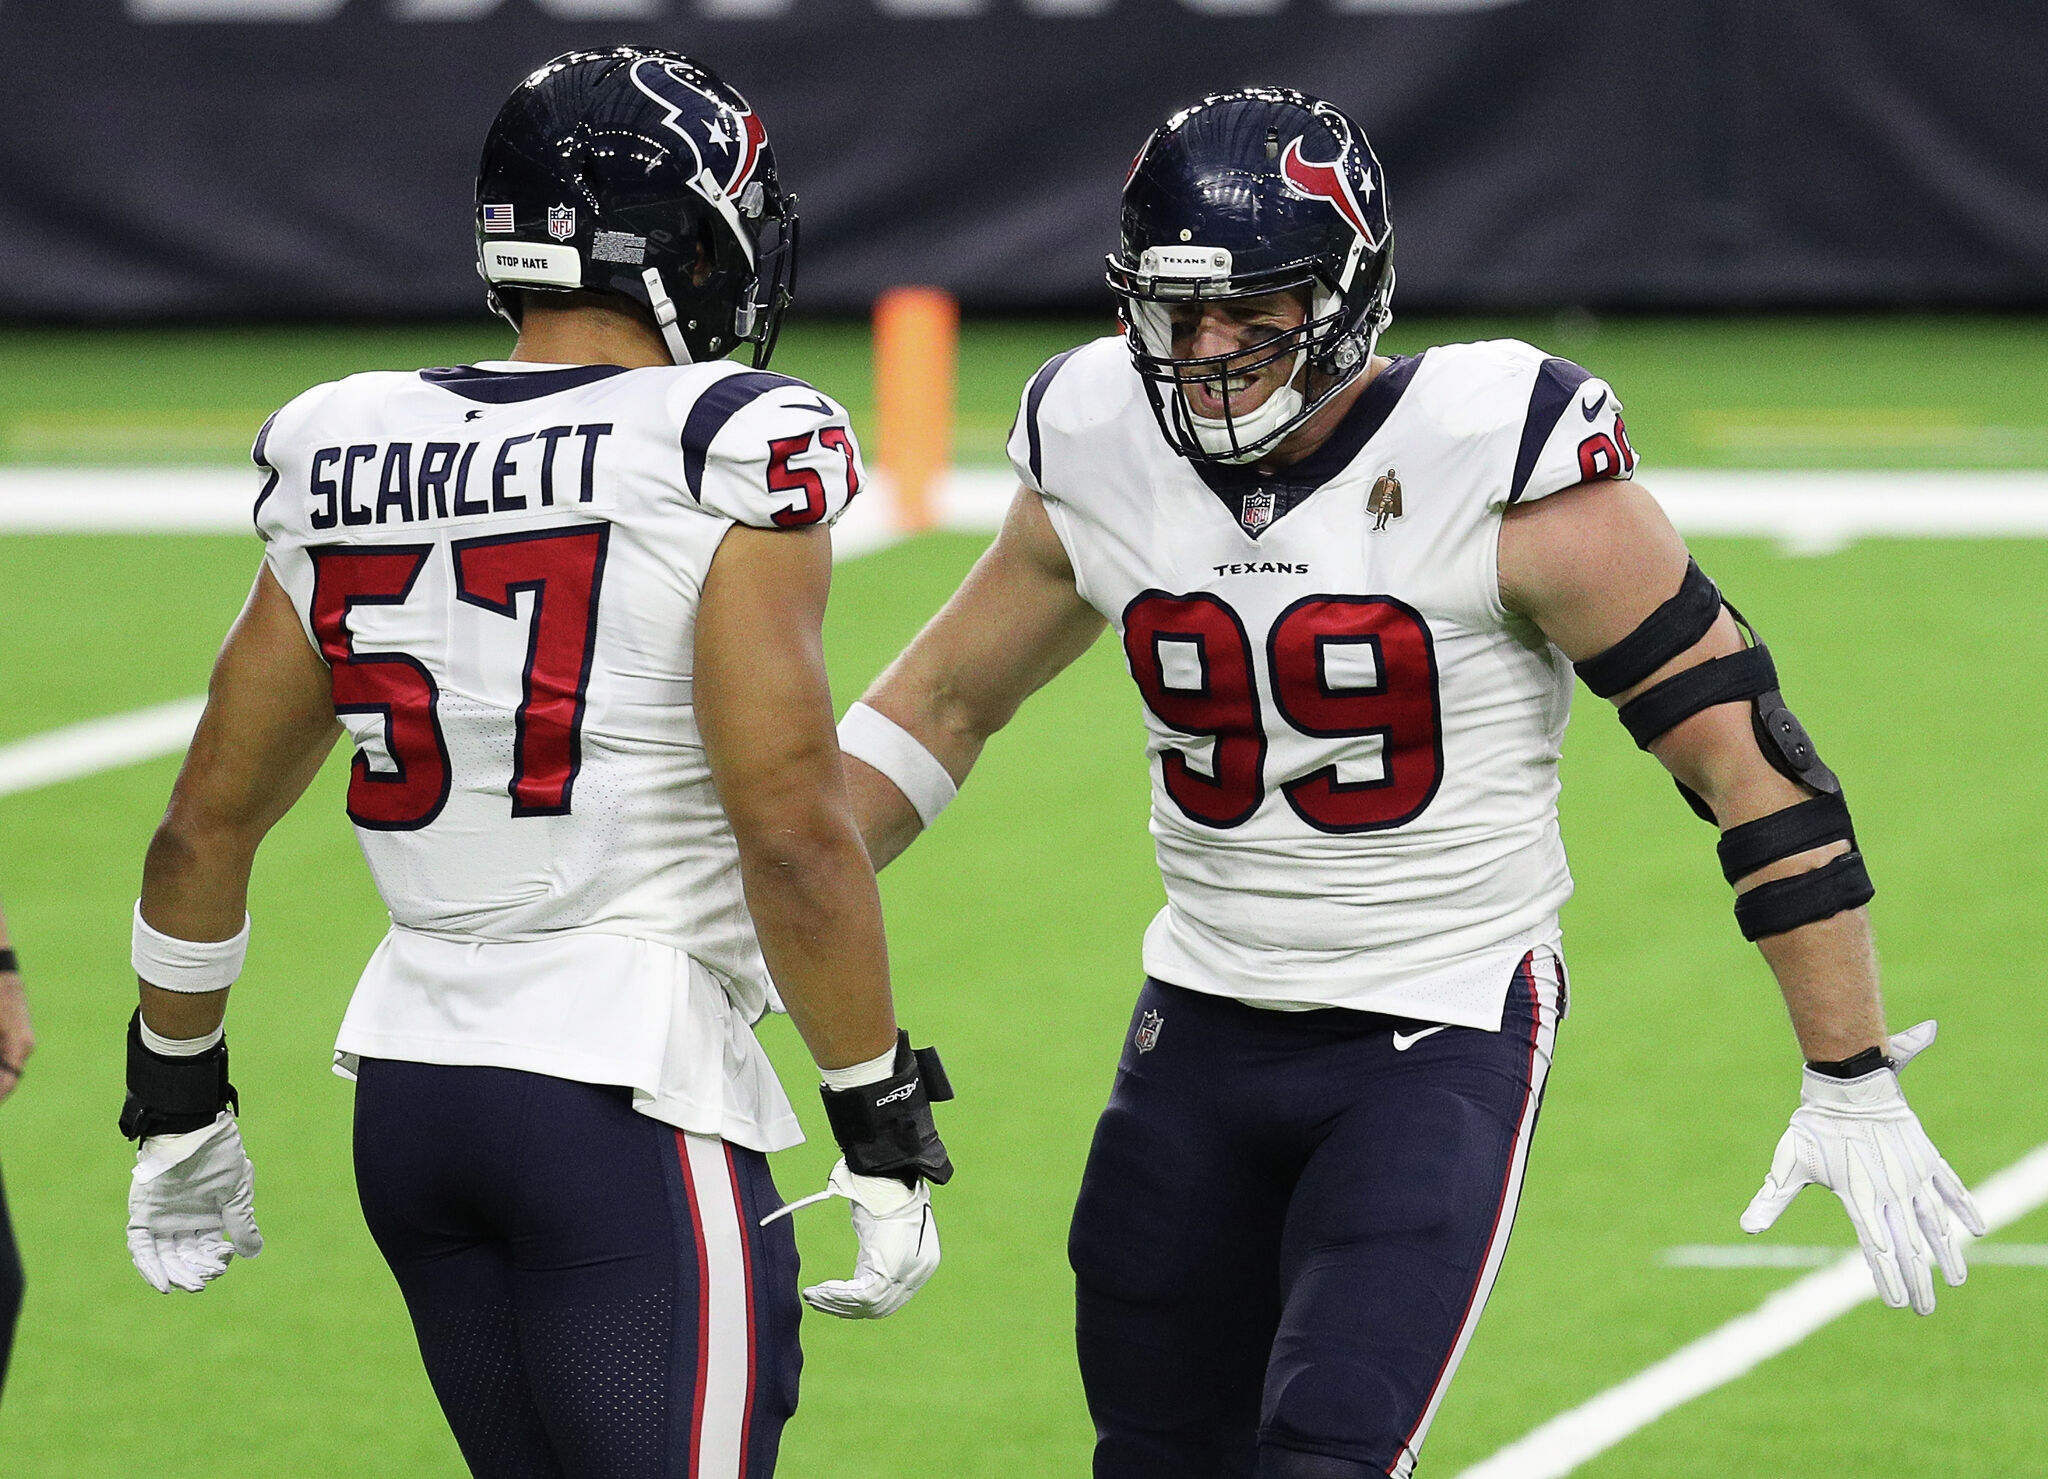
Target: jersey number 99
(1208, 686)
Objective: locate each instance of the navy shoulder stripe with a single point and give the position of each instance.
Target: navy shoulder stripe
(714, 408)
(1040, 383)
(504, 387)
(258, 454)
(1557, 381)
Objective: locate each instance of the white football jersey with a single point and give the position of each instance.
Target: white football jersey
(1354, 744)
(501, 564)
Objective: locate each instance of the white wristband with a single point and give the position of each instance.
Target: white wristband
(180, 1047)
(859, 1075)
(870, 735)
(191, 966)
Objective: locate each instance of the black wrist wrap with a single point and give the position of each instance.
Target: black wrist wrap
(1804, 898)
(1869, 1061)
(885, 1128)
(169, 1096)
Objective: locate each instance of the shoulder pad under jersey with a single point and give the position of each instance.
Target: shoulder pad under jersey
(284, 431)
(1571, 429)
(767, 450)
(1075, 390)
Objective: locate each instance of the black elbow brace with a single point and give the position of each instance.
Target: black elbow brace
(169, 1096)
(885, 1128)
(1805, 898)
(1782, 904)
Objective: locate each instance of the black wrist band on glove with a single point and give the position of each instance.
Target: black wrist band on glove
(9, 961)
(885, 1128)
(169, 1096)
(1867, 1061)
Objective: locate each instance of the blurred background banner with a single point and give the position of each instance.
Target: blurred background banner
(178, 159)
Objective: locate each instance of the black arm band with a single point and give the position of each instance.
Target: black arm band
(1784, 834)
(9, 961)
(1805, 898)
(885, 1128)
(169, 1096)
(1667, 632)
(1857, 1066)
(1720, 680)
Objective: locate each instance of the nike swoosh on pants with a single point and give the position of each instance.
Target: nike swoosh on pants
(1404, 1041)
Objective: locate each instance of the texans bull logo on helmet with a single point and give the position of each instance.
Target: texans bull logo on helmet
(724, 137)
(1329, 180)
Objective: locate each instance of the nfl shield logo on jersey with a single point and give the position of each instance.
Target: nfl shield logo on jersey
(1257, 512)
(1147, 1037)
(561, 221)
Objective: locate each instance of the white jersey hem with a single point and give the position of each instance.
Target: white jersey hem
(592, 1008)
(1468, 992)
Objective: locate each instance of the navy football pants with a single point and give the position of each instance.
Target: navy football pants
(592, 1290)
(1289, 1225)
(11, 1285)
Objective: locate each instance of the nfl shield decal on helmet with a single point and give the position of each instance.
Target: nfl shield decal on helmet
(1257, 512)
(1147, 1036)
(561, 221)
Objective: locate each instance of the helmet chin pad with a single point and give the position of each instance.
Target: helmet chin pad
(1233, 438)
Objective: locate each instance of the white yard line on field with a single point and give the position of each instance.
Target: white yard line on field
(1715, 1359)
(1809, 512)
(1777, 1255)
(97, 744)
(79, 750)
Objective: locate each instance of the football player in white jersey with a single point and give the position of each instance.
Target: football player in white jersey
(1351, 590)
(567, 607)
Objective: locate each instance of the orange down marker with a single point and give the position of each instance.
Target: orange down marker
(917, 334)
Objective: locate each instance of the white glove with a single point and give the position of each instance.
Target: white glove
(191, 1207)
(899, 1245)
(1858, 1138)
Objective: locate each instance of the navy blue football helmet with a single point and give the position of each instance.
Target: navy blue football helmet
(636, 171)
(1255, 191)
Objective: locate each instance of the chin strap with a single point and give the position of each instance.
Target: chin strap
(665, 316)
(1244, 438)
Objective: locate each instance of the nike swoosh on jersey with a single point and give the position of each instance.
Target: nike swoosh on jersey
(1594, 409)
(1403, 1041)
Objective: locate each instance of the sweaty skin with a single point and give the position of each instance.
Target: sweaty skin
(1586, 565)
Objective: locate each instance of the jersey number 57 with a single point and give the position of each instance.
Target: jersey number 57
(563, 568)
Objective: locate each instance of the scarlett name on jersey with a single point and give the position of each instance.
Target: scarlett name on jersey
(435, 484)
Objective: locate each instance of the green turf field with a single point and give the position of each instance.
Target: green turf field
(1014, 932)
(1875, 391)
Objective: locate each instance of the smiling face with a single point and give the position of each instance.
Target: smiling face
(1244, 329)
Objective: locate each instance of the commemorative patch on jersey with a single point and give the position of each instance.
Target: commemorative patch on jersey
(561, 221)
(1384, 502)
(1256, 512)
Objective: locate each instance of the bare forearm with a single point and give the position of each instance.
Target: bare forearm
(888, 822)
(1827, 972)
(195, 879)
(195, 886)
(819, 918)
